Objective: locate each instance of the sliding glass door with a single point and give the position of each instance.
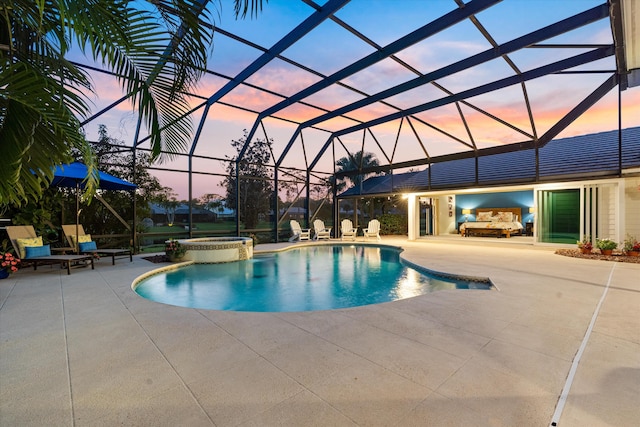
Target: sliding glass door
(559, 216)
(428, 213)
(565, 215)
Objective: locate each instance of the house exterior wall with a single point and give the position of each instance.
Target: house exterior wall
(632, 207)
(446, 214)
(608, 223)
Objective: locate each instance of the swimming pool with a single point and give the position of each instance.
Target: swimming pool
(308, 278)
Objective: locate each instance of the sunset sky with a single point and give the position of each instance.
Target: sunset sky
(329, 47)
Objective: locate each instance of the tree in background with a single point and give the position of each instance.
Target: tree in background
(212, 202)
(355, 162)
(351, 163)
(114, 158)
(255, 180)
(168, 200)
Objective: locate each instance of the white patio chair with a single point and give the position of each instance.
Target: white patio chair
(321, 232)
(298, 232)
(373, 230)
(347, 230)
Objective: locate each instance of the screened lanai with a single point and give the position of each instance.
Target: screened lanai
(410, 83)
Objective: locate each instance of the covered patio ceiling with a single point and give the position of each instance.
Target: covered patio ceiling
(412, 82)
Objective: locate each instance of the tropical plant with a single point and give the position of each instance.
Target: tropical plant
(40, 213)
(157, 49)
(255, 189)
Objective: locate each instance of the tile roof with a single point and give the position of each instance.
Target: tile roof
(566, 159)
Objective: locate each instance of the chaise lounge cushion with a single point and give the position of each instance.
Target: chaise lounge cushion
(37, 251)
(27, 242)
(88, 246)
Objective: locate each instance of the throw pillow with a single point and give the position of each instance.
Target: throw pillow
(23, 243)
(88, 246)
(37, 251)
(505, 216)
(484, 216)
(82, 239)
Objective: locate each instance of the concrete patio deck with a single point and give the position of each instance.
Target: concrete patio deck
(85, 350)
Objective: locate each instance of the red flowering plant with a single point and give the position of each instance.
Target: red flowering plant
(631, 244)
(585, 243)
(9, 263)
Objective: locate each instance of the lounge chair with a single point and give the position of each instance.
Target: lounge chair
(321, 232)
(69, 231)
(299, 233)
(25, 242)
(347, 230)
(372, 230)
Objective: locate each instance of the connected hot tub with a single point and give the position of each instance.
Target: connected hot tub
(217, 249)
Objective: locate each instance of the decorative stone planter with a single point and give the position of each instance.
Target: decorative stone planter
(174, 258)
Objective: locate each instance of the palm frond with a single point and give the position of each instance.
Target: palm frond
(241, 7)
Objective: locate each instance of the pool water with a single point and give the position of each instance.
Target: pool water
(303, 279)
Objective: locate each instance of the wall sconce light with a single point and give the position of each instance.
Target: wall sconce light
(532, 210)
(466, 213)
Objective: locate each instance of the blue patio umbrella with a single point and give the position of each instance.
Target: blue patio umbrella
(73, 175)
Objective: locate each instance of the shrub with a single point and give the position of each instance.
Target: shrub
(606, 244)
(393, 224)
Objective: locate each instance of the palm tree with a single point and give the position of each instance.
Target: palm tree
(355, 162)
(157, 49)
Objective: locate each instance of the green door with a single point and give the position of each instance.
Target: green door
(560, 215)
